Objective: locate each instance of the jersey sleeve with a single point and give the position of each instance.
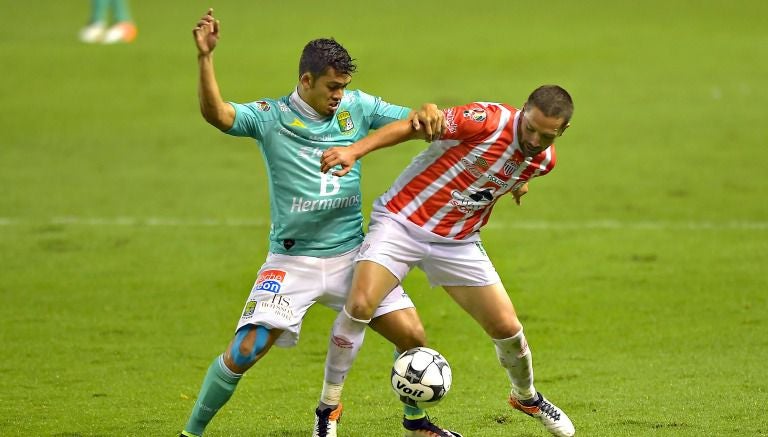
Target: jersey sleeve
(250, 119)
(471, 121)
(378, 112)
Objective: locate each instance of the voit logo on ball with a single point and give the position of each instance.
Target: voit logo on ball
(421, 377)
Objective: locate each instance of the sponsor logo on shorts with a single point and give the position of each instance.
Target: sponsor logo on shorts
(280, 306)
(270, 280)
(277, 305)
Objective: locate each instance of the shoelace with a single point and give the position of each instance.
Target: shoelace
(323, 423)
(549, 410)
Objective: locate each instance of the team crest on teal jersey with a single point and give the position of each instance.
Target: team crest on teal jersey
(345, 121)
(263, 106)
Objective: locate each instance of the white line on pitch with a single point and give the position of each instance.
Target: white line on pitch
(529, 225)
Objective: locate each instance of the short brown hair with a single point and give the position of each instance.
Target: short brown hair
(552, 101)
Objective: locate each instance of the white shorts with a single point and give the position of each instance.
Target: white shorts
(452, 262)
(288, 285)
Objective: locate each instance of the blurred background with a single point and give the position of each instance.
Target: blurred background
(131, 231)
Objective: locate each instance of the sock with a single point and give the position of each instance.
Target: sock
(217, 388)
(331, 395)
(120, 10)
(410, 413)
(99, 11)
(347, 336)
(515, 356)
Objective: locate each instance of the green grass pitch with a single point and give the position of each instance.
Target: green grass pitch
(131, 231)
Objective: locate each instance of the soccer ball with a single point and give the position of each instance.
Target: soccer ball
(421, 377)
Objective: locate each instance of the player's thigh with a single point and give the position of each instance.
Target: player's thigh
(371, 283)
(388, 253)
(490, 306)
(403, 328)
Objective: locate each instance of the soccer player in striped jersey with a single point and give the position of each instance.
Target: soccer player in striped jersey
(316, 227)
(432, 215)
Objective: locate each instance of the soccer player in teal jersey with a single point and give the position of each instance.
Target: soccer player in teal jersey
(316, 221)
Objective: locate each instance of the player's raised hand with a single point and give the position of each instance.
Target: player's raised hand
(206, 33)
(430, 118)
(334, 156)
(520, 192)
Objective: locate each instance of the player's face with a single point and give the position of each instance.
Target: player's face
(324, 93)
(537, 131)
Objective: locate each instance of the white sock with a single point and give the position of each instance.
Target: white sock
(346, 339)
(516, 359)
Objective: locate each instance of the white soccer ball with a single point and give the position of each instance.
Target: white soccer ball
(421, 377)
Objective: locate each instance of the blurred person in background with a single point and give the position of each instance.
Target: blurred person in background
(97, 30)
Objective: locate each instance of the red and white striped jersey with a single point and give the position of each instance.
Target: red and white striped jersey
(451, 188)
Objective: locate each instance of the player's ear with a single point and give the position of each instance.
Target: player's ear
(562, 131)
(306, 80)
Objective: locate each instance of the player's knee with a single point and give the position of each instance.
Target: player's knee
(248, 345)
(360, 308)
(505, 328)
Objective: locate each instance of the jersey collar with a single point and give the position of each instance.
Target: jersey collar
(303, 107)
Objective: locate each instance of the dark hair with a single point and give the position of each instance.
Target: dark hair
(319, 54)
(552, 101)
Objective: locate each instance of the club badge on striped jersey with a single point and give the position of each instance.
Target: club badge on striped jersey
(344, 118)
(510, 166)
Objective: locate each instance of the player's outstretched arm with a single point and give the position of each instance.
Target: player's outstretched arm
(214, 109)
(389, 135)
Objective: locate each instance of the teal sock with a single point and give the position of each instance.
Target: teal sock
(120, 10)
(218, 386)
(99, 11)
(411, 413)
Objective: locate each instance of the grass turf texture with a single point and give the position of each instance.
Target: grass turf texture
(130, 231)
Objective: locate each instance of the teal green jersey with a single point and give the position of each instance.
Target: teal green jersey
(312, 214)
